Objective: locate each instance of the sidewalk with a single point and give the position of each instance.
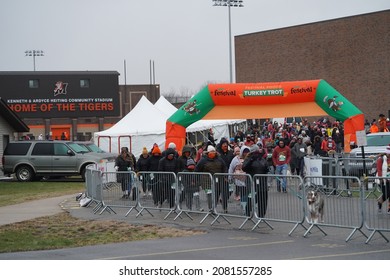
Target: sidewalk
(33, 209)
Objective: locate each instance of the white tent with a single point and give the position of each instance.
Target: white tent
(219, 127)
(143, 126)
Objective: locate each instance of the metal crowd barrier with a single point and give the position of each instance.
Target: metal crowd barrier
(195, 195)
(347, 204)
(93, 182)
(339, 211)
(159, 192)
(272, 204)
(118, 190)
(377, 221)
(232, 197)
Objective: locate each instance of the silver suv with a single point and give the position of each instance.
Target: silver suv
(32, 160)
(376, 145)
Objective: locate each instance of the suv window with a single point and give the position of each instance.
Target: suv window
(78, 148)
(42, 149)
(378, 140)
(17, 149)
(60, 149)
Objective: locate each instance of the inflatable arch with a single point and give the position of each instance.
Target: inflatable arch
(265, 100)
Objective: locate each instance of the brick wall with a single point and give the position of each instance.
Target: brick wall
(352, 54)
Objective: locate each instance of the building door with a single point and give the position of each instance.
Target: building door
(59, 132)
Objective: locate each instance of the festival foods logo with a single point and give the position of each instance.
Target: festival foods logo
(224, 92)
(296, 90)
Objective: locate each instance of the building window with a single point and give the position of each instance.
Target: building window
(84, 83)
(33, 83)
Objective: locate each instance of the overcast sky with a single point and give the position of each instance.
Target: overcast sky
(187, 39)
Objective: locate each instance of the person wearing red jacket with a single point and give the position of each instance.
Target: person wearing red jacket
(328, 145)
(281, 157)
(383, 169)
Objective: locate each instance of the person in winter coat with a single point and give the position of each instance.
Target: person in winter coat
(338, 139)
(142, 166)
(212, 164)
(224, 152)
(191, 185)
(293, 161)
(316, 146)
(328, 145)
(152, 165)
(256, 163)
(382, 123)
(124, 163)
(268, 155)
(241, 183)
(281, 157)
(186, 154)
(300, 151)
(383, 169)
(232, 168)
(171, 145)
(171, 164)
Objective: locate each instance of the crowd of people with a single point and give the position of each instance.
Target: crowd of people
(380, 125)
(272, 148)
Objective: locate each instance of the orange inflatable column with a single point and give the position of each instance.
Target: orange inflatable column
(351, 125)
(175, 133)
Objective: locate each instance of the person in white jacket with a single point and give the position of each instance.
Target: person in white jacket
(242, 190)
(383, 169)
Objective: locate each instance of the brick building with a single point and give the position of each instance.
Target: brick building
(351, 53)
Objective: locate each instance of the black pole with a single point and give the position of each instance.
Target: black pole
(364, 168)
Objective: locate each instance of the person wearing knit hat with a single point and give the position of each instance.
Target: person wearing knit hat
(156, 150)
(168, 164)
(255, 163)
(191, 186)
(171, 147)
(142, 166)
(212, 163)
(383, 170)
(152, 165)
(210, 149)
(239, 182)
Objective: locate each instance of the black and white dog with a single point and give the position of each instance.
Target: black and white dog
(315, 205)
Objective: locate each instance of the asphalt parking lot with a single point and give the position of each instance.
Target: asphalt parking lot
(222, 241)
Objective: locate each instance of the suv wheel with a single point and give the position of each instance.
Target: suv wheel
(24, 173)
(82, 173)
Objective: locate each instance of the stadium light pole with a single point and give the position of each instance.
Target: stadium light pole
(34, 53)
(229, 4)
